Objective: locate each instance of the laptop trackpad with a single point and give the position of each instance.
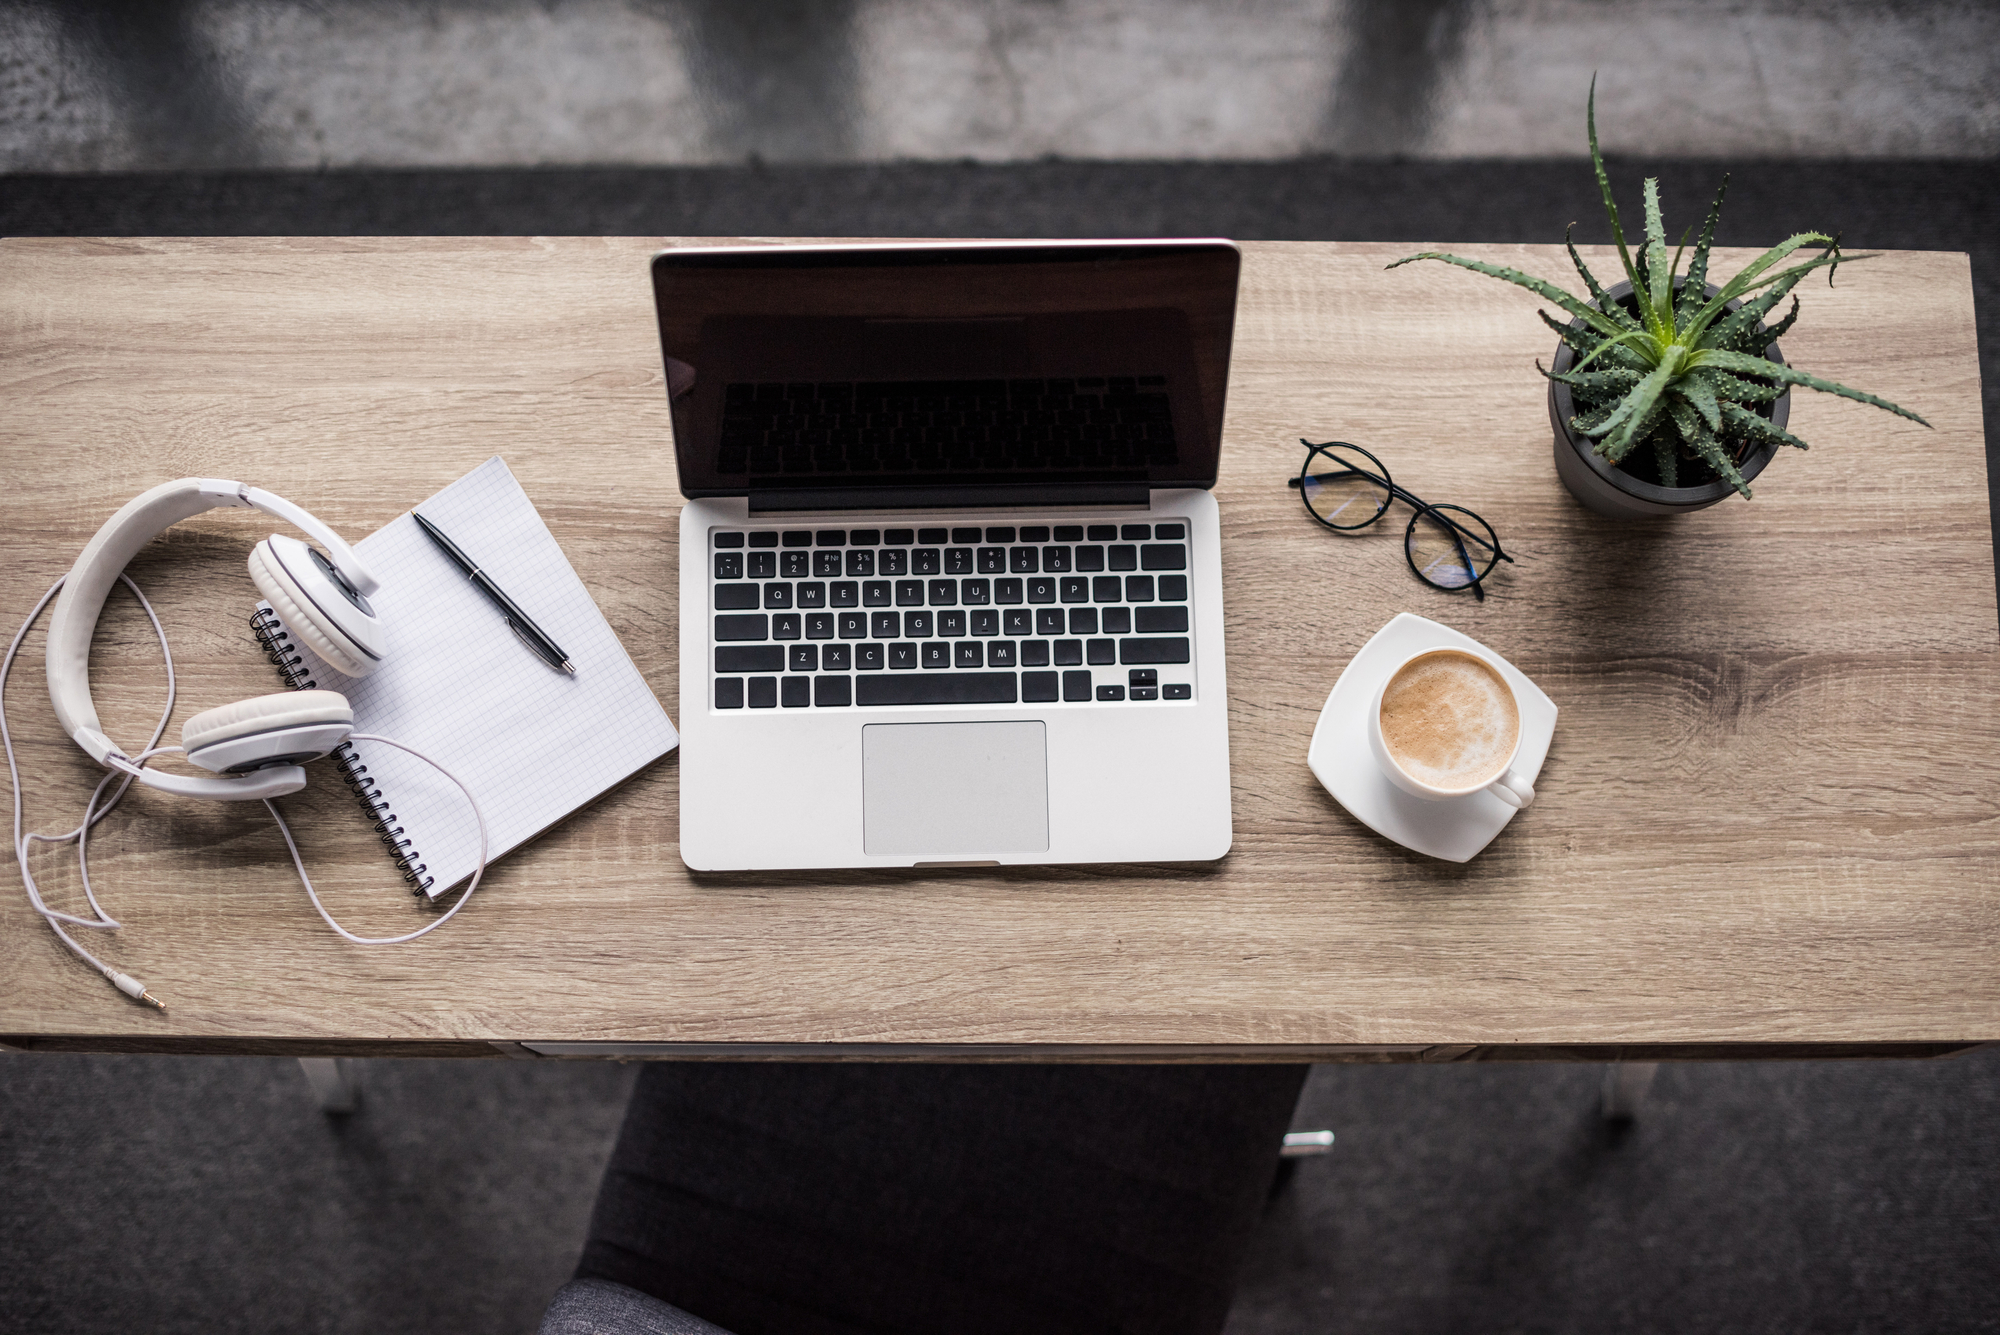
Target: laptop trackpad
(955, 789)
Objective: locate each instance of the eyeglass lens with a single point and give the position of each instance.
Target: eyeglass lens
(1446, 556)
(1343, 488)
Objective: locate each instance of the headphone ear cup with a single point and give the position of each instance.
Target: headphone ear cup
(288, 728)
(296, 608)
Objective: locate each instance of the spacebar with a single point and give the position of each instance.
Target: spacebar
(957, 688)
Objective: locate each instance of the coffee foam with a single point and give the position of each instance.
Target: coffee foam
(1449, 721)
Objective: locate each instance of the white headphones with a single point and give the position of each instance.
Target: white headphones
(262, 742)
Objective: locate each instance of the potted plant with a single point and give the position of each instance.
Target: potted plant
(1667, 392)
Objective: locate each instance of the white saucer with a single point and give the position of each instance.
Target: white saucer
(1456, 829)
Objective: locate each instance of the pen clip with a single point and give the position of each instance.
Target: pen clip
(522, 636)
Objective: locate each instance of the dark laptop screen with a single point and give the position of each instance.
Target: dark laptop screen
(947, 368)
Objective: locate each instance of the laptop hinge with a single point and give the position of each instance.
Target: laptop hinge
(876, 500)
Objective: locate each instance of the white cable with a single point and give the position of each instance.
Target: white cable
(478, 871)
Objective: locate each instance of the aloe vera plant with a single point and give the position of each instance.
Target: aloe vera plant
(1678, 371)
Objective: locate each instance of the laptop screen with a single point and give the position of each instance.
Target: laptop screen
(947, 367)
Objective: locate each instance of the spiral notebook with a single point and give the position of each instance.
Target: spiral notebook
(532, 743)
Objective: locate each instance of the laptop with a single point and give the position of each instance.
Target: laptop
(950, 580)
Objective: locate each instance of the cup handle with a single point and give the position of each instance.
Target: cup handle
(1513, 789)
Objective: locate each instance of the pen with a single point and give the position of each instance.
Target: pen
(531, 635)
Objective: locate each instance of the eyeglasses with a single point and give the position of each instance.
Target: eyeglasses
(1346, 488)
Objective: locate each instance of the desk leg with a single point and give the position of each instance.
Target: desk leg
(333, 1085)
(1625, 1086)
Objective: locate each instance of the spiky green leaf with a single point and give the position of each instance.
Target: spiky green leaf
(1632, 418)
(1696, 433)
(1666, 458)
(1659, 274)
(1733, 388)
(1759, 427)
(1613, 380)
(1637, 341)
(1583, 340)
(1604, 188)
(1541, 287)
(1697, 275)
(1744, 364)
(1745, 280)
(1597, 293)
(1700, 395)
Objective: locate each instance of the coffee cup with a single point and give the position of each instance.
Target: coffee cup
(1446, 724)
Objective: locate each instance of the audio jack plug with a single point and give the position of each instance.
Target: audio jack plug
(134, 989)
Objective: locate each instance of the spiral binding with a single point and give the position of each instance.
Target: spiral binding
(276, 642)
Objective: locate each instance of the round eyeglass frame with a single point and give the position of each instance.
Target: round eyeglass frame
(1422, 510)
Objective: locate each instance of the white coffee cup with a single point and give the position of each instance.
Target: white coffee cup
(1454, 718)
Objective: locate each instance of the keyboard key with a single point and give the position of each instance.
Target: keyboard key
(1111, 692)
(729, 540)
(893, 563)
(870, 657)
(763, 692)
(969, 654)
(735, 597)
(1117, 621)
(1136, 532)
(1145, 692)
(902, 656)
(831, 537)
(925, 560)
(1055, 560)
(777, 595)
(750, 658)
(1124, 558)
(885, 625)
(1006, 590)
(812, 593)
(899, 537)
(762, 565)
(729, 565)
(1064, 533)
(986, 621)
(953, 688)
(909, 593)
(1042, 590)
(729, 690)
(1034, 533)
(1075, 589)
(795, 692)
(1076, 686)
(958, 560)
(918, 625)
(1003, 536)
(1101, 651)
(967, 535)
(1035, 653)
(785, 626)
(1106, 588)
(939, 536)
(1090, 558)
(1037, 687)
(1177, 691)
(803, 658)
(864, 537)
(1050, 621)
(1168, 556)
(1018, 621)
(1144, 676)
(874, 593)
(860, 564)
(764, 539)
(826, 565)
(992, 560)
(1069, 653)
(972, 592)
(837, 658)
(1000, 653)
(795, 565)
(832, 692)
(1173, 588)
(1153, 651)
(742, 627)
(1138, 588)
(935, 654)
(1165, 531)
(798, 537)
(1082, 621)
(951, 624)
(943, 592)
(1103, 533)
(853, 625)
(1022, 560)
(1155, 620)
(844, 593)
(819, 625)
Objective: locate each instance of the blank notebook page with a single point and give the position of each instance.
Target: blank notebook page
(532, 743)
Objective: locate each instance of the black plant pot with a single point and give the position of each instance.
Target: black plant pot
(1610, 490)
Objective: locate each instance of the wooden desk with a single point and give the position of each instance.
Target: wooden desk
(1769, 822)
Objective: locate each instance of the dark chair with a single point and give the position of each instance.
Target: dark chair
(815, 1199)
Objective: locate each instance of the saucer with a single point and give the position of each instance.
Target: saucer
(1454, 829)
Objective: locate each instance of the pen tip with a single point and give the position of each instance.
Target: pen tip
(569, 667)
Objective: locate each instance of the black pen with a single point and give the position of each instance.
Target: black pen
(531, 635)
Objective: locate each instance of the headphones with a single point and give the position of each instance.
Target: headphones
(258, 745)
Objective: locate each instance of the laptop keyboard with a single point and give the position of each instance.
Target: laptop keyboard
(1065, 613)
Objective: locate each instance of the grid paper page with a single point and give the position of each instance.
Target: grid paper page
(532, 743)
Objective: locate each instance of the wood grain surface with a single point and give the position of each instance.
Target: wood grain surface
(1768, 816)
